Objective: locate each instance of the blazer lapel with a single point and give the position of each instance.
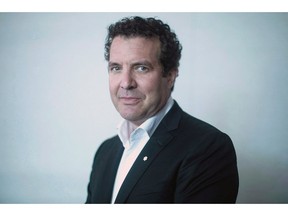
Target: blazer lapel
(104, 171)
(111, 170)
(161, 137)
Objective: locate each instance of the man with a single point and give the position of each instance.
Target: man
(161, 154)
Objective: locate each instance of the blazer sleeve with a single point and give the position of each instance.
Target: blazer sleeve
(211, 175)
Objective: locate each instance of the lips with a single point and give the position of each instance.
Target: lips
(129, 100)
(129, 97)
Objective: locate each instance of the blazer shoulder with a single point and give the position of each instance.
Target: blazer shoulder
(109, 143)
(205, 134)
(196, 123)
(179, 119)
(188, 129)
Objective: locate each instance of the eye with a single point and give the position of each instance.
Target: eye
(114, 68)
(141, 68)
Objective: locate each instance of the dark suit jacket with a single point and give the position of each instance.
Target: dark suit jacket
(189, 161)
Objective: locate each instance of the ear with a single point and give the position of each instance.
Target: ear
(171, 77)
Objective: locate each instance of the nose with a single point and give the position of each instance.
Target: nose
(127, 80)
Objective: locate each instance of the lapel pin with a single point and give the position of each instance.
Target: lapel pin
(145, 158)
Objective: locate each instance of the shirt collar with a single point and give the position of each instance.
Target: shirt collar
(149, 126)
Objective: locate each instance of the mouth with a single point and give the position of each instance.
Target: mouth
(130, 100)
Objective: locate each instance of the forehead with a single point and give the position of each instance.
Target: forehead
(140, 46)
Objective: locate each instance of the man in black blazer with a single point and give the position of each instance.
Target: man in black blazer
(161, 154)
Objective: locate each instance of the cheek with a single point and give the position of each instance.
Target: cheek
(112, 86)
(155, 88)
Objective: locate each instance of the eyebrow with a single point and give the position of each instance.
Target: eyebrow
(141, 62)
(112, 64)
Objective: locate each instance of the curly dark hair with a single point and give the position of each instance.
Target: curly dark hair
(148, 28)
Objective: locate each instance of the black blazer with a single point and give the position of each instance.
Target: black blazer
(188, 161)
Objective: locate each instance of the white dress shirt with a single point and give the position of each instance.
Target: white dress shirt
(135, 143)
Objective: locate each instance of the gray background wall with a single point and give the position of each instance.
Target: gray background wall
(55, 108)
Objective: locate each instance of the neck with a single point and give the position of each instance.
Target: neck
(131, 127)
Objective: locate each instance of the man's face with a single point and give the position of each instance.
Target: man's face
(137, 87)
